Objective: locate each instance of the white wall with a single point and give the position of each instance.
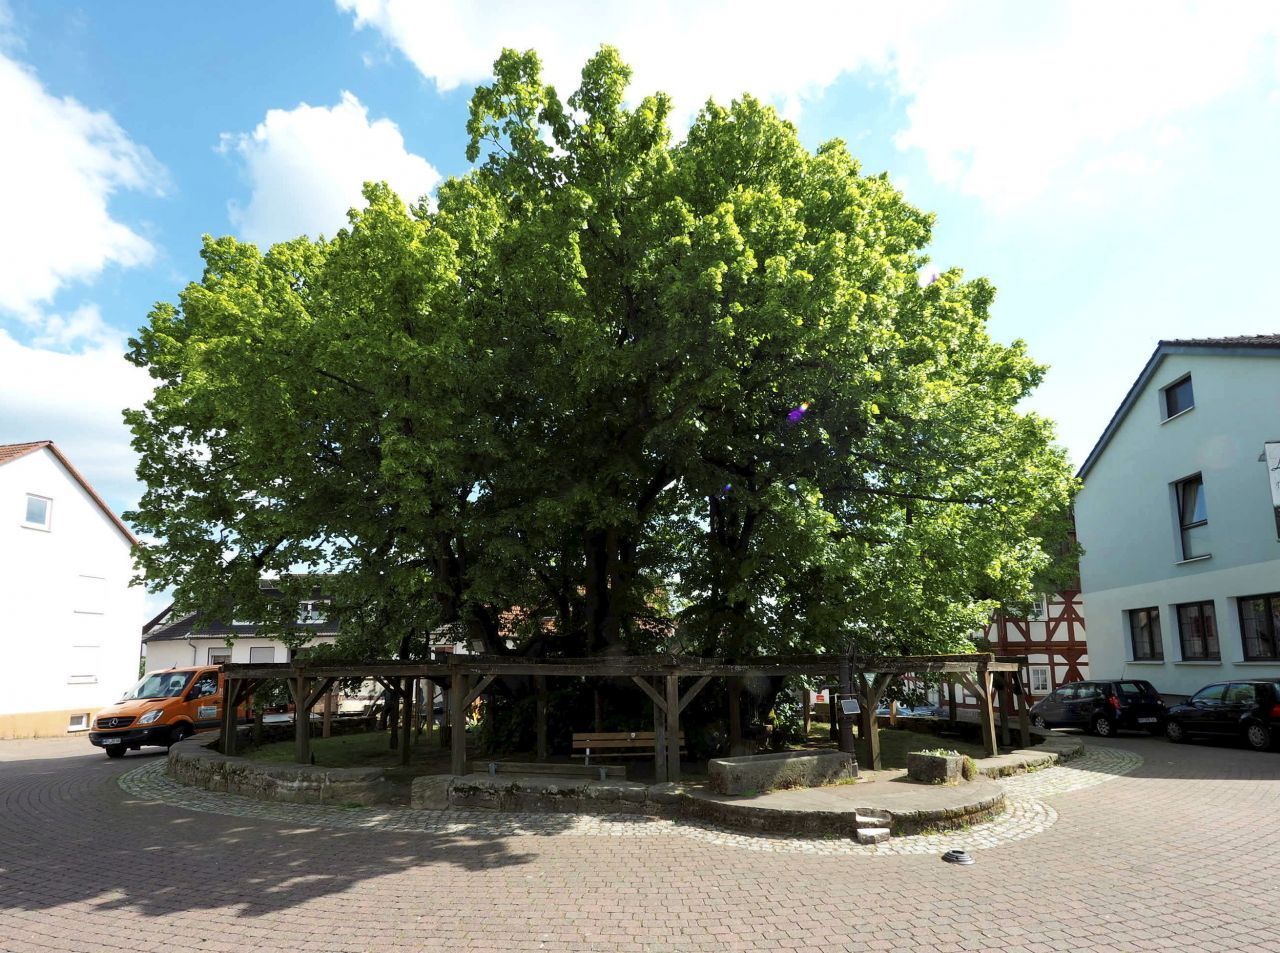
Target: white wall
(55, 625)
(1126, 520)
(179, 653)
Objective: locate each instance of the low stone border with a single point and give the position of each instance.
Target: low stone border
(1027, 814)
(1053, 749)
(194, 762)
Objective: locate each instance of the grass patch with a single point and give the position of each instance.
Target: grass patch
(366, 750)
(896, 742)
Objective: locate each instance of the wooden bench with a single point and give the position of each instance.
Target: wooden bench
(549, 768)
(619, 743)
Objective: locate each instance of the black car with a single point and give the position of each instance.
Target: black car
(1249, 710)
(1102, 707)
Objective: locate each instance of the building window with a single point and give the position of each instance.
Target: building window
(39, 509)
(1198, 632)
(1178, 398)
(219, 656)
(1039, 676)
(1037, 607)
(78, 723)
(1260, 626)
(309, 612)
(261, 654)
(1192, 514)
(1144, 635)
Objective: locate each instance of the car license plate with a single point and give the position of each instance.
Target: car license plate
(110, 741)
(1147, 721)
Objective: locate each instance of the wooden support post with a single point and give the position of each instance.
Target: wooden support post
(736, 746)
(598, 706)
(952, 713)
(1006, 710)
(326, 728)
(459, 686)
(301, 720)
(406, 727)
(808, 714)
(833, 716)
(543, 747)
(673, 727)
(659, 734)
(1024, 714)
(230, 687)
(846, 691)
(988, 716)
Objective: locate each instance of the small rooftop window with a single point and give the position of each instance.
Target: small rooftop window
(1178, 398)
(38, 511)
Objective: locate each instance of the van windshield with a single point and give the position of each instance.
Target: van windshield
(160, 685)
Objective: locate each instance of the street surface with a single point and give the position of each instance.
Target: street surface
(1147, 846)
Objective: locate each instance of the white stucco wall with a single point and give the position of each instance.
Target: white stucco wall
(66, 642)
(1127, 522)
(171, 653)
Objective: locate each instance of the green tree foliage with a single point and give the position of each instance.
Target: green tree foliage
(669, 395)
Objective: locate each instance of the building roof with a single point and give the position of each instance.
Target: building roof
(1240, 345)
(14, 451)
(167, 627)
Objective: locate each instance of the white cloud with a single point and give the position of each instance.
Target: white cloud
(306, 167)
(60, 165)
(1006, 100)
(75, 400)
(83, 326)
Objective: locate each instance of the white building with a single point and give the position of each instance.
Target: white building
(69, 627)
(174, 640)
(1179, 518)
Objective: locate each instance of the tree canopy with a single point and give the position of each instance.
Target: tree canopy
(608, 392)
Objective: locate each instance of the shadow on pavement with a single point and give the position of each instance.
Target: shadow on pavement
(70, 834)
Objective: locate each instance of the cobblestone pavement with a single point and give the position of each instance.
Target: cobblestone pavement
(1171, 853)
(1027, 814)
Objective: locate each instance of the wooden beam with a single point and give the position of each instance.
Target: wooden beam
(475, 693)
(314, 696)
(1024, 714)
(736, 745)
(673, 727)
(689, 695)
(458, 727)
(652, 692)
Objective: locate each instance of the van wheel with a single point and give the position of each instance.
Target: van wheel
(1258, 736)
(179, 733)
(114, 752)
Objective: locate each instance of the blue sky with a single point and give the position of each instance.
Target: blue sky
(1110, 168)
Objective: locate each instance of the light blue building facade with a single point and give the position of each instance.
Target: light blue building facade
(1179, 518)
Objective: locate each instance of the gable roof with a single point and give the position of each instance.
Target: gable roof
(1242, 345)
(14, 451)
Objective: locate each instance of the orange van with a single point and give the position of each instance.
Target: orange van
(163, 708)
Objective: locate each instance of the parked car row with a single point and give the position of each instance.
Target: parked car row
(1248, 710)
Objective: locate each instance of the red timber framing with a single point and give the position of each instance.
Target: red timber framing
(670, 682)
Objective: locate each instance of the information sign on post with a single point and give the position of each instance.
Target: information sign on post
(850, 706)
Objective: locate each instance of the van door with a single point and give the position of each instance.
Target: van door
(204, 700)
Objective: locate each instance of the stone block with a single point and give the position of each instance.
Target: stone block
(755, 774)
(430, 793)
(935, 768)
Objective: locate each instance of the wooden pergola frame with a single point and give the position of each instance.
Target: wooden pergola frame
(465, 678)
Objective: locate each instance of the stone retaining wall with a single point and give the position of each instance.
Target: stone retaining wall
(193, 762)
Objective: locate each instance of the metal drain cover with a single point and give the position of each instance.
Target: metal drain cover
(957, 857)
